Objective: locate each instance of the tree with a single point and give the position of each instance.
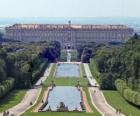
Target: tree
(86, 55)
(1, 35)
(122, 62)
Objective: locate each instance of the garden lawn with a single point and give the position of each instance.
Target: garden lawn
(82, 70)
(12, 99)
(60, 114)
(114, 98)
(66, 81)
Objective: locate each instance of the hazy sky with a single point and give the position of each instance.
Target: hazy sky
(69, 8)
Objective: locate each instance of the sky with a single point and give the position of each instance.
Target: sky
(69, 8)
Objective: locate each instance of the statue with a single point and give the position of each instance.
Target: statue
(62, 107)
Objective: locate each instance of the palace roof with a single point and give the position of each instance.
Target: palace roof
(66, 26)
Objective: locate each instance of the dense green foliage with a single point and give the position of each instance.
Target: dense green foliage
(6, 86)
(53, 51)
(85, 52)
(119, 62)
(1, 35)
(24, 63)
(127, 93)
(94, 69)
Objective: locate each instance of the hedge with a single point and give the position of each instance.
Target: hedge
(6, 86)
(130, 95)
(37, 73)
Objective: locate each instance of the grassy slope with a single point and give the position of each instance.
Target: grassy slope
(114, 99)
(12, 99)
(82, 70)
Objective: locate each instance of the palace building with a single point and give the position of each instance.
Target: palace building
(69, 34)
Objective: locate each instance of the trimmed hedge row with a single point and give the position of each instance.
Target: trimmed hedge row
(6, 86)
(130, 95)
(37, 73)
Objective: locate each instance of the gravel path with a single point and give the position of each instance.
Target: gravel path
(87, 106)
(98, 99)
(89, 75)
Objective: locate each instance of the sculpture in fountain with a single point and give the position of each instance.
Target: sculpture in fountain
(62, 107)
(68, 56)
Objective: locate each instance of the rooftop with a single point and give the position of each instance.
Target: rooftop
(65, 26)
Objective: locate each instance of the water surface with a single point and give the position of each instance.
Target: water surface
(68, 70)
(70, 96)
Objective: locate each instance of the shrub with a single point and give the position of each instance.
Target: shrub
(6, 86)
(130, 95)
(39, 71)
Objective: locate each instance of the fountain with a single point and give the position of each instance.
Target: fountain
(62, 107)
(68, 56)
(63, 99)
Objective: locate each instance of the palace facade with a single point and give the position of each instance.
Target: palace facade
(69, 34)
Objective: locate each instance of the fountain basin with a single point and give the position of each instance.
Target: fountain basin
(69, 97)
(67, 70)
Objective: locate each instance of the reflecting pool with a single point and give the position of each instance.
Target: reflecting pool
(70, 96)
(68, 70)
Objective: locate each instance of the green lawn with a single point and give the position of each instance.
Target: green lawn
(60, 114)
(52, 70)
(74, 54)
(83, 73)
(114, 99)
(63, 55)
(13, 98)
(66, 81)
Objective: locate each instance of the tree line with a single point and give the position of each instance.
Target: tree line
(123, 63)
(118, 61)
(86, 51)
(21, 64)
